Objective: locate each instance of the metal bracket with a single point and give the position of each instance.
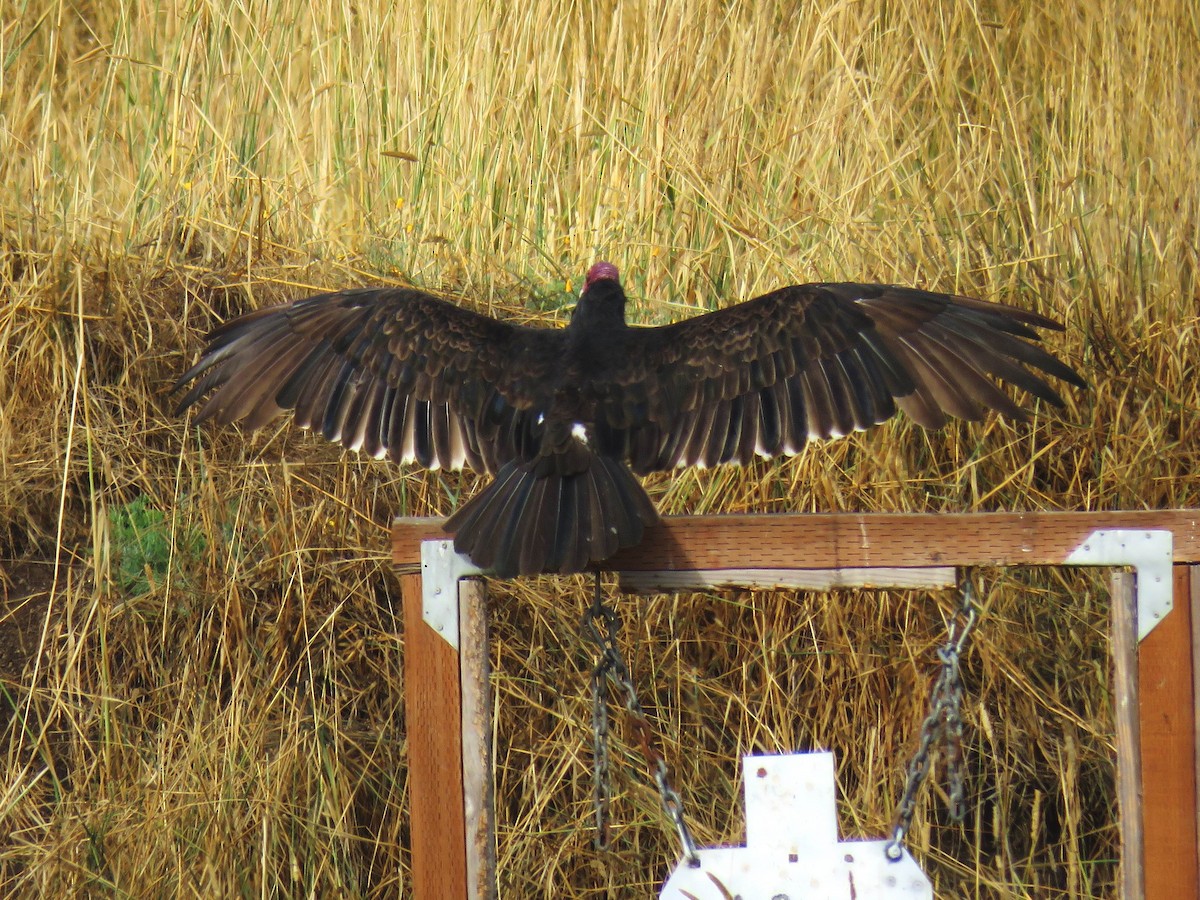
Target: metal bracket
(1150, 553)
(441, 568)
(792, 850)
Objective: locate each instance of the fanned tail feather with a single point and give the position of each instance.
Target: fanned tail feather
(557, 514)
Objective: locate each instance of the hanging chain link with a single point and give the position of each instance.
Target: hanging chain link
(943, 724)
(601, 624)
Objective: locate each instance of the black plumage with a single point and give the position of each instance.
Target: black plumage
(564, 417)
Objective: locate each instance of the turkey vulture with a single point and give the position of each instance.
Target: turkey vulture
(563, 418)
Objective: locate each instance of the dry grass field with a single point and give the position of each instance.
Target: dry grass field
(200, 643)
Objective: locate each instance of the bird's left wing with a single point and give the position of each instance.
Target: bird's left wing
(816, 361)
(393, 372)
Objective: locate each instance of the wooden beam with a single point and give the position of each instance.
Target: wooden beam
(857, 540)
(1166, 717)
(661, 582)
(1129, 765)
(478, 783)
(433, 725)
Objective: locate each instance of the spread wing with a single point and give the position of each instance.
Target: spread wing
(393, 372)
(817, 361)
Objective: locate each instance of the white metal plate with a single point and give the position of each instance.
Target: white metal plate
(792, 850)
(1151, 553)
(441, 568)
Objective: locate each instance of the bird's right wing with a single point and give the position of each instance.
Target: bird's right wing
(393, 372)
(817, 361)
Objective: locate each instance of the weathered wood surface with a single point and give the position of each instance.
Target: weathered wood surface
(433, 724)
(857, 540)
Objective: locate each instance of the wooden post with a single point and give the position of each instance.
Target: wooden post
(433, 724)
(448, 712)
(1166, 720)
(1129, 768)
(478, 793)
(1194, 606)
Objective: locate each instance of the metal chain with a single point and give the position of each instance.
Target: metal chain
(611, 666)
(943, 724)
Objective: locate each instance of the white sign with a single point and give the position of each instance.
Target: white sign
(792, 850)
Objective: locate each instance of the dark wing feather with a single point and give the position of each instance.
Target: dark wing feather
(817, 361)
(392, 372)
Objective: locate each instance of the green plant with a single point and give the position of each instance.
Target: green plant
(146, 546)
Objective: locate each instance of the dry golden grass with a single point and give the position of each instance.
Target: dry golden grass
(223, 717)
